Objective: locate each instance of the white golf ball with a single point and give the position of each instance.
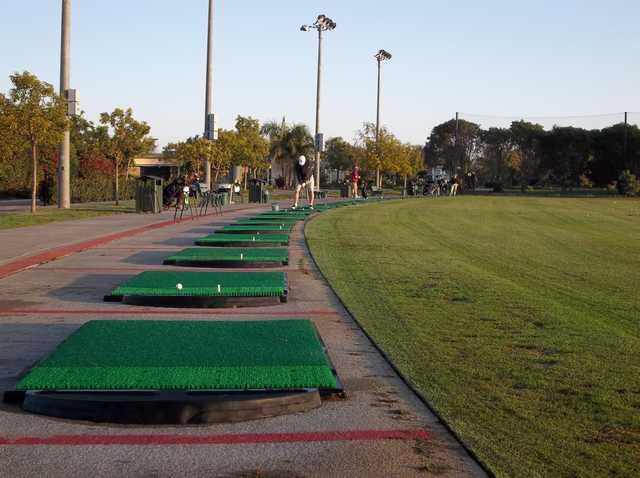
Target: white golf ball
(179, 286)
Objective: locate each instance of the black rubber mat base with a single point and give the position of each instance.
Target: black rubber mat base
(198, 302)
(170, 407)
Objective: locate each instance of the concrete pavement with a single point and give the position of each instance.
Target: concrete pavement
(41, 306)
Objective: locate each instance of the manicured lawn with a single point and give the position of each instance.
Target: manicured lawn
(53, 214)
(518, 318)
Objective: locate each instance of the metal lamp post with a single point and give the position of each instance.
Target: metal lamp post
(381, 56)
(209, 117)
(322, 24)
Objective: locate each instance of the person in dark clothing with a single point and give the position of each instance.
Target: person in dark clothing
(364, 193)
(304, 179)
(46, 190)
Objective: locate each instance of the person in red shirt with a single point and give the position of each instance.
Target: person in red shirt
(355, 179)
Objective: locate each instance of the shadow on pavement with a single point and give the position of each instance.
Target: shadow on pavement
(89, 288)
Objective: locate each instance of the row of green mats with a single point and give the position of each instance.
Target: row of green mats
(220, 284)
(254, 355)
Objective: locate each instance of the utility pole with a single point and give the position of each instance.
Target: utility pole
(456, 153)
(64, 179)
(625, 144)
(209, 117)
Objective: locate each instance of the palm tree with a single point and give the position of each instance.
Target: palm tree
(286, 144)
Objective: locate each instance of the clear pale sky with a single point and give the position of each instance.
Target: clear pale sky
(521, 58)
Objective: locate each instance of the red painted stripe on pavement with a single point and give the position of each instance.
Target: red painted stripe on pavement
(58, 252)
(179, 312)
(166, 268)
(231, 439)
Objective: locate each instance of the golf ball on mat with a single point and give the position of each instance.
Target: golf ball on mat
(179, 286)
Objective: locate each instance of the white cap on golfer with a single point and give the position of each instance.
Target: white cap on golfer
(302, 160)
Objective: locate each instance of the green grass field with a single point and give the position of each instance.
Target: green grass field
(185, 355)
(12, 220)
(518, 318)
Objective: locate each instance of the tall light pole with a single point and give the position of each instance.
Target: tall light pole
(64, 193)
(381, 56)
(209, 117)
(322, 24)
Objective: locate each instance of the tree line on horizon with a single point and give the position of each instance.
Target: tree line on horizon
(527, 155)
(33, 119)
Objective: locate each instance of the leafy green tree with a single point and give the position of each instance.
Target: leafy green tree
(340, 155)
(566, 155)
(286, 143)
(382, 155)
(608, 150)
(628, 184)
(275, 133)
(527, 138)
(13, 165)
(192, 153)
(459, 156)
(36, 118)
(250, 148)
(497, 144)
(128, 138)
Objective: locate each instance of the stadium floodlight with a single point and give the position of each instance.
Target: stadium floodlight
(322, 24)
(383, 55)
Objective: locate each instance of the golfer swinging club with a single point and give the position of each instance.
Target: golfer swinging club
(304, 179)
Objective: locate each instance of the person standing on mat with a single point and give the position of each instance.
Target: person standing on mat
(304, 179)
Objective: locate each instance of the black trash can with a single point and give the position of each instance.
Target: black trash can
(149, 195)
(344, 189)
(257, 190)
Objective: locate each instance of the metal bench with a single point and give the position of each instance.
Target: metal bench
(376, 191)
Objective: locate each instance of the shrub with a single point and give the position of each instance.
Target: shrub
(585, 182)
(628, 184)
(280, 182)
(97, 188)
(496, 186)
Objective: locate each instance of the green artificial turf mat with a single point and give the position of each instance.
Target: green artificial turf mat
(290, 212)
(257, 227)
(186, 355)
(267, 221)
(218, 239)
(234, 254)
(286, 212)
(269, 217)
(204, 284)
